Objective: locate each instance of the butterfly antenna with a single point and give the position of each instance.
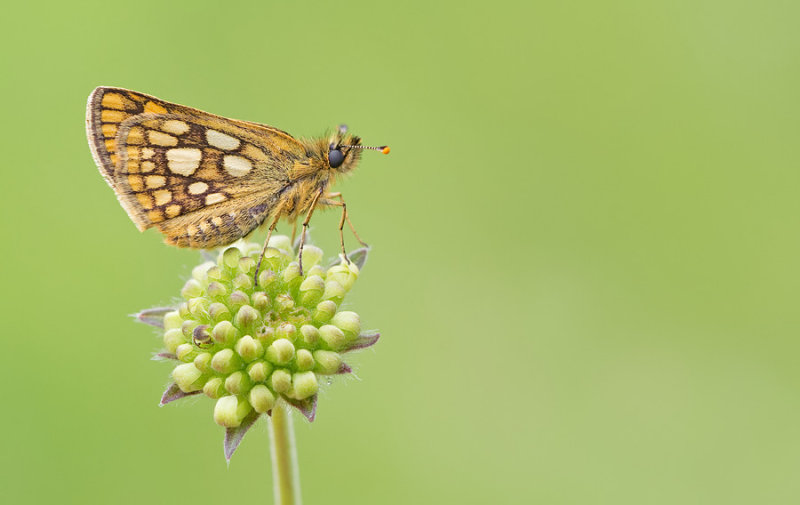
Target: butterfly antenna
(383, 149)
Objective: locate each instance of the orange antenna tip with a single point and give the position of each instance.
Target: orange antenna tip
(385, 150)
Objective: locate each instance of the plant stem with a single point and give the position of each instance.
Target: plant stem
(285, 471)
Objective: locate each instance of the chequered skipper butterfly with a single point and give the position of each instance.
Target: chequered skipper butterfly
(205, 180)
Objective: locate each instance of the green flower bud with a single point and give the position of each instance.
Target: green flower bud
(311, 290)
(172, 320)
(324, 312)
(238, 299)
(203, 362)
(172, 339)
(245, 317)
(191, 289)
(258, 371)
(247, 264)
(287, 331)
(310, 335)
(198, 307)
(224, 333)
(231, 257)
(332, 336)
(334, 292)
(282, 243)
(281, 381)
(327, 362)
(188, 327)
(214, 388)
(314, 270)
(237, 383)
(291, 272)
(216, 289)
(311, 256)
(284, 303)
(215, 273)
(188, 377)
(230, 411)
(261, 398)
(266, 278)
(280, 352)
(219, 312)
(342, 275)
(261, 301)
(249, 348)
(305, 385)
(349, 323)
(183, 311)
(304, 360)
(186, 352)
(242, 281)
(226, 361)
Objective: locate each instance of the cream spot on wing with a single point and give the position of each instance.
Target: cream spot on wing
(175, 127)
(163, 196)
(191, 230)
(221, 140)
(197, 188)
(205, 226)
(236, 165)
(155, 181)
(184, 160)
(161, 139)
(217, 221)
(215, 198)
(147, 153)
(148, 166)
(173, 210)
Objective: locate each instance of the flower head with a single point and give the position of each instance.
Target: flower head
(250, 344)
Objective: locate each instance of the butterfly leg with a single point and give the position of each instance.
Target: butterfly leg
(305, 228)
(266, 244)
(328, 200)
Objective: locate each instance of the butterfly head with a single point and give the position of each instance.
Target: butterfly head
(344, 150)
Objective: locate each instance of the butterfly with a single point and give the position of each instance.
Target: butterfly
(205, 180)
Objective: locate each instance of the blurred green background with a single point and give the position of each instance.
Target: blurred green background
(585, 250)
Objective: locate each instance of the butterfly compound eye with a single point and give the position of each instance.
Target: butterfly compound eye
(335, 158)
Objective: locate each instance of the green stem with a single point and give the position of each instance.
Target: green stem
(285, 471)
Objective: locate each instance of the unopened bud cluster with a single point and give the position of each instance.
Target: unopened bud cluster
(246, 343)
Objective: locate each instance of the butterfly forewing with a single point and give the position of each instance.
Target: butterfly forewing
(204, 180)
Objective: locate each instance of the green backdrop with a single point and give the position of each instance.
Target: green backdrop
(584, 267)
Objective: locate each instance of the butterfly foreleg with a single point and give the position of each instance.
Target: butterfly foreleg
(328, 199)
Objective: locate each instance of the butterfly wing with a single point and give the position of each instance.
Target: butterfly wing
(202, 179)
